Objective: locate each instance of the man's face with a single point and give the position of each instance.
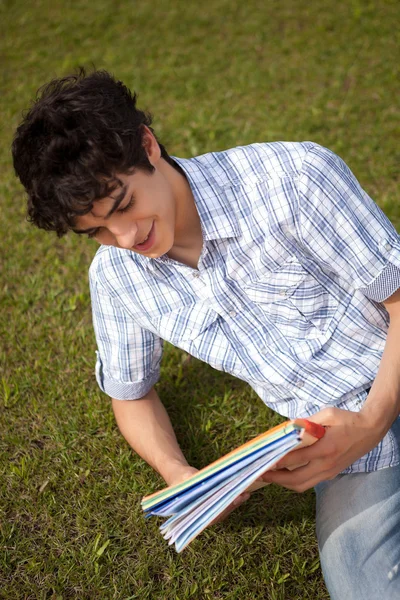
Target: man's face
(140, 215)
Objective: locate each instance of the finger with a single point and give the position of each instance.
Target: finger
(242, 498)
(327, 416)
(294, 459)
(325, 447)
(300, 479)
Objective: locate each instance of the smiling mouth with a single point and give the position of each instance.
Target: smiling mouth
(147, 242)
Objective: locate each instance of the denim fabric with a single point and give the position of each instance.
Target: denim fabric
(358, 530)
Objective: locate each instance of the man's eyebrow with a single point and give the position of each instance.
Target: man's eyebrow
(79, 231)
(117, 202)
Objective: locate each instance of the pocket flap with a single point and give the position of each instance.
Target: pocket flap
(186, 323)
(278, 286)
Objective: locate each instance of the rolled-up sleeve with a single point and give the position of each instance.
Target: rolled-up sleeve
(128, 356)
(344, 229)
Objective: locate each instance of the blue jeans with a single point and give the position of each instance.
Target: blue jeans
(358, 531)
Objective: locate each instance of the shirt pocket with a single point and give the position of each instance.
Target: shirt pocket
(295, 301)
(185, 324)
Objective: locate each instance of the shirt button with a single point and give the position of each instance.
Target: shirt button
(232, 313)
(388, 247)
(283, 292)
(196, 274)
(300, 384)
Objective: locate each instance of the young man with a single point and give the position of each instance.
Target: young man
(268, 262)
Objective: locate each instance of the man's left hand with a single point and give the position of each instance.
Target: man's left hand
(349, 435)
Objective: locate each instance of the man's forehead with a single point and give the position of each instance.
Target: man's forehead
(113, 186)
(110, 203)
(102, 208)
(110, 187)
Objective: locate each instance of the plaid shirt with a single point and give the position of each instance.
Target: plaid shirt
(295, 262)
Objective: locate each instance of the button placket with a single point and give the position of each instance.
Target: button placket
(384, 245)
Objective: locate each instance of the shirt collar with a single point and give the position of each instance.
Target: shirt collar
(217, 215)
(216, 211)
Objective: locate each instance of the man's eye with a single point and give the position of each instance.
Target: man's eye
(127, 207)
(92, 234)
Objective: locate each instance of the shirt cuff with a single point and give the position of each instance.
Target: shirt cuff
(121, 390)
(384, 286)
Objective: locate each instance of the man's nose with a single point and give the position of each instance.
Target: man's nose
(125, 234)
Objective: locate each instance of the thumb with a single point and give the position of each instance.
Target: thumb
(326, 416)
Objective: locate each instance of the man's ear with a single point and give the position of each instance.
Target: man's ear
(151, 146)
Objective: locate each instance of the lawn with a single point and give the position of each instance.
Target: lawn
(214, 75)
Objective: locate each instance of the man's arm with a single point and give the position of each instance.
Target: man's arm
(147, 428)
(350, 435)
(383, 402)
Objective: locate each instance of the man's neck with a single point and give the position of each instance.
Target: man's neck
(188, 234)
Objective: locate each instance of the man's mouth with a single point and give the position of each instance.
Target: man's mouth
(148, 241)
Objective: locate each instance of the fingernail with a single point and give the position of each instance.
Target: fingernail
(240, 499)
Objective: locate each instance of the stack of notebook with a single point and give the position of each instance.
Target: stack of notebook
(193, 504)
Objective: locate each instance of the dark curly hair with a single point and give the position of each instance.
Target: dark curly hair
(81, 131)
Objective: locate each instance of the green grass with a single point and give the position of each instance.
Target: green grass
(215, 75)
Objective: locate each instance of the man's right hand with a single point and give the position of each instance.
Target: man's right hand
(181, 474)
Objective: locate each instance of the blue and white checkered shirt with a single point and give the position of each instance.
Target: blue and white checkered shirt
(295, 262)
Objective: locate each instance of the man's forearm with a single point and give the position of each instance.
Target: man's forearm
(383, 402)
(147, 428)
